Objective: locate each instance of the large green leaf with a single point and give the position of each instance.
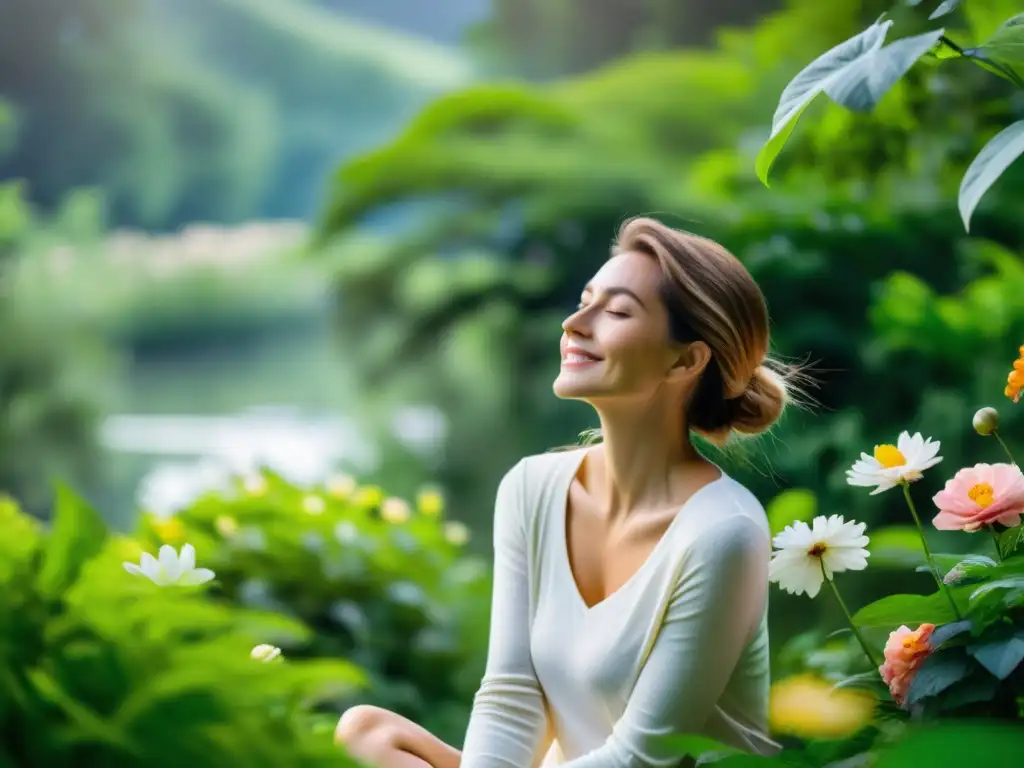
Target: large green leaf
(894, 610)
(1000, 657)
(812, 80)
(78, 534)
(957, 745)
(945, 8)
(1007, 43)
(869, 78)
(994, 158)
(938, 672)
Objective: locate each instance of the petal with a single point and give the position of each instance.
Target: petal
(196, 576)
(187, 558)
(134, 569)
(169, 563)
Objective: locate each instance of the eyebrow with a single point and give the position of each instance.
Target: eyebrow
(617, 290)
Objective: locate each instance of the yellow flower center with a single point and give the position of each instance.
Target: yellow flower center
(889, 456)
(982, 494)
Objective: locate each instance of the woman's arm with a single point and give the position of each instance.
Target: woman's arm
(508, 725)
(718, 601)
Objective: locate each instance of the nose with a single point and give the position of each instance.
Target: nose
(577, 324)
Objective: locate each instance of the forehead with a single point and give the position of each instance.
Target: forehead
(636, 271)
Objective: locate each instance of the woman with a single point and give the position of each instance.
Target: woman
(630, 584)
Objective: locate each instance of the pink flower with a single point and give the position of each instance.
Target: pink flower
(904, 652)
(981, 495)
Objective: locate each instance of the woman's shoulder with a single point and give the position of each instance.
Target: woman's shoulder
(736, 512)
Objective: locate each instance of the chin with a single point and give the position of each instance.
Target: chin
(570, 386)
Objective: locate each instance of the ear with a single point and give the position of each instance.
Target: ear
(692, 359)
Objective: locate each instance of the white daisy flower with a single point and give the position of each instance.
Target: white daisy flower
(170, 569)
(265, 652)
(395, 510)
(803, 552)
(893, 465)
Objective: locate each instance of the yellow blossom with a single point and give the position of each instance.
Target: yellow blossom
(170, 529)
(340, 486)
(368, 496)
(809, 707)
(430, 503)
(314, 505)
(226, 526)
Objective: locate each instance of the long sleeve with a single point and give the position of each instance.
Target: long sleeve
(508, 723)
(717, 602)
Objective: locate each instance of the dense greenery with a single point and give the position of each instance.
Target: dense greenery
(102, 668)
(870, 279)
(379, 583)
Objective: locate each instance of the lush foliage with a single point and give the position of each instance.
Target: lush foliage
(379, 583)
(858, 72)
(963, 658)
(51, 373)
(102, 668)
(525, 186)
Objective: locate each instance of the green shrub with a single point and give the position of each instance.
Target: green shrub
(381, 584)
(102, 668)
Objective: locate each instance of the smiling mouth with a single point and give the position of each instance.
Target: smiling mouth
(578, 358)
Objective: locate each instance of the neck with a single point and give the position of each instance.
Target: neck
(643, 455)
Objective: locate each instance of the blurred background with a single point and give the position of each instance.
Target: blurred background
(324, 236)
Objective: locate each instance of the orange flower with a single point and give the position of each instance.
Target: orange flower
(1015, 381)
(904, 652)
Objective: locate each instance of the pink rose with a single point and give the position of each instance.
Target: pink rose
(981, 495)
(904, 652)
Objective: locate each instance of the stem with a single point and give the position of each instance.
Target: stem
(952, 46)
(985, 64)
(927, 552)
(1006, 448)
(849, 618)
(995, 541)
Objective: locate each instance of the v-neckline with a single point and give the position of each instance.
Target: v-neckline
(563, 538)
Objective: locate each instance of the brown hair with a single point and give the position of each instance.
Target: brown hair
(711, 297)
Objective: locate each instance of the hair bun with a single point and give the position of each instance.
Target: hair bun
(761, 403)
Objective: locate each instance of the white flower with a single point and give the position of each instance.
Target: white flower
(803, 551)
(456, 533)
(171, 569)
(314, 505)
(892, 465)
(265, 653)
(395, 510)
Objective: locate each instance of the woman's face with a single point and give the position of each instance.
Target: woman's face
(617, 342)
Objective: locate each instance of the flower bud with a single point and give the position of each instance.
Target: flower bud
(264, 652)
(986, 421)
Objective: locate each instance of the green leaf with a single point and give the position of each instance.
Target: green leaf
(894, 610)
(696, 746)
(864, 680)
(1000, 657)
(78, 534)
(947, 632)
(994, 158)
(956, 744)
(938, 672)
(1007, 42)
(1011, 582)
(811, 81)
(1009, 541)
(945, 8)
(867, 80)
(976, 687)
(788, 507)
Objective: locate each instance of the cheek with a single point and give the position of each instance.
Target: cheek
(636, 356)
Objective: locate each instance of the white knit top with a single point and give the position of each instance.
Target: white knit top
(681, 647)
